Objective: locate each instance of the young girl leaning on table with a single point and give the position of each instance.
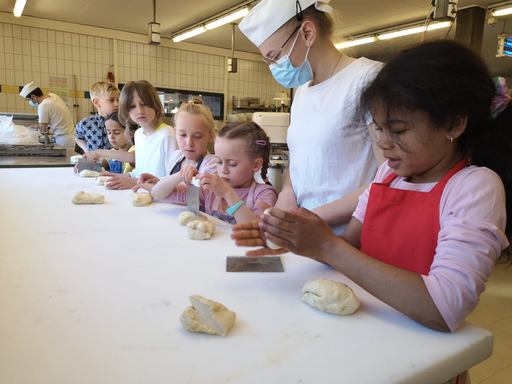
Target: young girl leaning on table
(426, 233)
(241, 149)
(139, 103)
(118, 138)
(194, 129)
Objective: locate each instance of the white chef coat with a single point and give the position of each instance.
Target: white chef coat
(331, 152)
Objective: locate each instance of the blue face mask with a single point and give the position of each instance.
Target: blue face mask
(289, 76)
(33, 104)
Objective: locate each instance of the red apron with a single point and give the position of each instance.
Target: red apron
(401, 227)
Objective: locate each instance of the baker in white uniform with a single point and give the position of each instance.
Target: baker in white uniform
(332, 155)
(52, 113)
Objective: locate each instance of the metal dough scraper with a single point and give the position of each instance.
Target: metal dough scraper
(84, 164)
(254, 264)
(193, 196)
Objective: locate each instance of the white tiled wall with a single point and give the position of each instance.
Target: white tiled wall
(28, 53)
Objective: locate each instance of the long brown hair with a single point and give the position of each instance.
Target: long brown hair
(148, 94)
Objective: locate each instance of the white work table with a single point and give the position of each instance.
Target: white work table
(93, 294)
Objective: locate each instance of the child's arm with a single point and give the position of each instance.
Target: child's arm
(166, 186)
(125, 157)
(81, 143)
(215, 184)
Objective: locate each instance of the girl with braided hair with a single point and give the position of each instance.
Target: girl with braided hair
(241, 149)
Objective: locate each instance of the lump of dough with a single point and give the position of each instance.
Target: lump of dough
(200, 230)
(185, 217)
(101, 180)
(74, 159)
(196, 182)
(330, 296)
(142, 199)
(88, 198)
(89, 173)
(207, 316)
(270, 244)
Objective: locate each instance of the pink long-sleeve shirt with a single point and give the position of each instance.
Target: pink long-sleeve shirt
(472, 218)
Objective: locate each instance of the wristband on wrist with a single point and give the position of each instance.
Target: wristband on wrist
(232, 210)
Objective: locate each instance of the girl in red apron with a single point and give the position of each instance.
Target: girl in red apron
(241, 149)
(426, 234)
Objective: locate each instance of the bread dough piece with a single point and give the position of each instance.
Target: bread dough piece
(88, 198)
(196, 182)
(207, 316)
(74, 159)
(200, 230)
(185, 217)
(142, 199)
(270, 244)
(89, 173)
(101, 180)
(330, 296)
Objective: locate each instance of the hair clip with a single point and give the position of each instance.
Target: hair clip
(265, 180)
(261, 142)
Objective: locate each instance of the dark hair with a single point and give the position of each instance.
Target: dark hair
(132, 127)
(148, 94)
(253, 133)
(447, 80)
(36, 92)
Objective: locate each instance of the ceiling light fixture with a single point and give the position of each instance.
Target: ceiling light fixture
(188, 35)
(227, 19)
(507, 10)
(410, 31)
(18, 7)
(353, 43)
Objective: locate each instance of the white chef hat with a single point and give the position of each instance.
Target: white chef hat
(270, 15)
(27, 89)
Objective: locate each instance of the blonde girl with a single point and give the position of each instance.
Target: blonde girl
(139, 103)
(194, 129)
(241, 149)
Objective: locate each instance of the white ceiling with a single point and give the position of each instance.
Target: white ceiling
(354, 17)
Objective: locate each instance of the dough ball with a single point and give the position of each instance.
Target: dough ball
(101, 180)
(142, 199)
(74, 159)
(88, 198)
(185, 217)
(196, 182)
(207, 316)
(330, 296)
(89, 173)
(270, 244)
(200, 230)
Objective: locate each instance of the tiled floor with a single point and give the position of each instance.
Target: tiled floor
(494, 313)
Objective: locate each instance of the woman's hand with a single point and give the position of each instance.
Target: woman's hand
(187, 174)
(214, 183)
(147, 178)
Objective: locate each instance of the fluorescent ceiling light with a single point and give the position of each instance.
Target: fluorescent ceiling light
(502, 12)
(190, 34)
(353, 43)
(227, 19)
(18, 7)
(411, 31)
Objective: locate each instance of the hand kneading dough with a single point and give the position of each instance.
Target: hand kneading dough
(101, 180)
(270, 244)
(89, 173)
(330, 296)
(207, 316)
(88, 198)
(185, 217)
(141, 199)
(200, 230)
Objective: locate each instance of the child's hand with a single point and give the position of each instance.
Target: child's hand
(91, 156)
(148, 187)
(75, 168)
(147, 178)
(215, 184)
(119, 182)
(187, 174)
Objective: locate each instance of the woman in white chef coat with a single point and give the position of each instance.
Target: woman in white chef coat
(332, 158)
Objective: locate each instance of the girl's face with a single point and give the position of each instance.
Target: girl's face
(425, 153)
(115, 134)
(192, 134)
(139, 112)
(234, 166)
